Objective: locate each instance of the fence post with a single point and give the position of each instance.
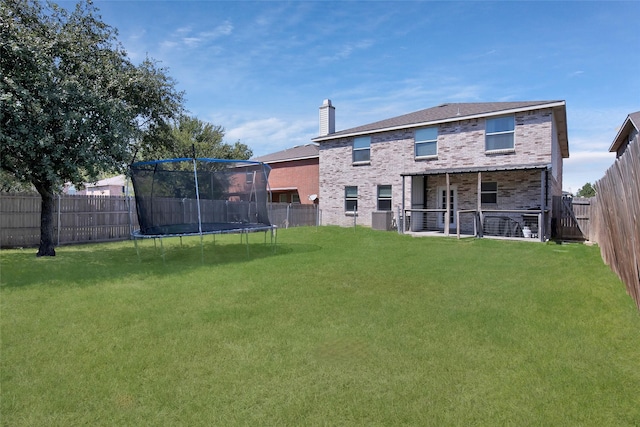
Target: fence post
(286, 221)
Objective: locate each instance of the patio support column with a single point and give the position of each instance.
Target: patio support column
(478, 231)
(447, 214)
(542, 218)
(403, 213)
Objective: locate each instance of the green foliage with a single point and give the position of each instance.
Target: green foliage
(11, 185)
(337, 327)
(587, 190)
(189, 136)
(72, 104)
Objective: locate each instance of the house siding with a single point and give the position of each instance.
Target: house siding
(460, 144)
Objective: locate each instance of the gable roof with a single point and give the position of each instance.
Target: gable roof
(299, 152)
(632, 121)
(459, 111)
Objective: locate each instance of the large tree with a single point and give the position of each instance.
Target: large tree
(189, 137)
(72, 104)
(587, 190)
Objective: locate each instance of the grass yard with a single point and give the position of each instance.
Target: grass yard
(337, 327)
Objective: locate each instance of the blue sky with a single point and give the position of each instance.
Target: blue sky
(262, 69)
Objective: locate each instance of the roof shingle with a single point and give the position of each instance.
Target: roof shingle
(295, 153)
(441, 113)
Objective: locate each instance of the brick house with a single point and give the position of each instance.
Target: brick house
(472, 168)
(628, 133)
(294, 174)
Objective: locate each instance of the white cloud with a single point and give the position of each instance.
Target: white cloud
(345, 51)
(186, 36)
(268, 135)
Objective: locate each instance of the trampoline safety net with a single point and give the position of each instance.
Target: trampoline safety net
(200, 196)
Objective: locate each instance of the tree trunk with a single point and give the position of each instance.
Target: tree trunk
(46, 221)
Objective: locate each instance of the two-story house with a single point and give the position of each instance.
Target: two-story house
(476, 168)
(628, 133)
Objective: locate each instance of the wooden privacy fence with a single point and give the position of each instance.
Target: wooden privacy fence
(616, 219)
(84, 219)
(573, 218)
(77, 219)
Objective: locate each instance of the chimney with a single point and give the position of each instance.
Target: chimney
(327, 118)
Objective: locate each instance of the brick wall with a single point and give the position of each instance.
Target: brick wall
(303, 174)
(460, 144)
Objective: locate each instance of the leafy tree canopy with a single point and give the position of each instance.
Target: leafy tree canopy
(72, 105)
(587, 190)
(189, 137)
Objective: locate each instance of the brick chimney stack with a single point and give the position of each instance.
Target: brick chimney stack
(327, 118)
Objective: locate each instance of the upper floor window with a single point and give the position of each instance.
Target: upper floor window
(384, 197)
(499, 133)
(361, 149)
(426, 142)
(351, 198)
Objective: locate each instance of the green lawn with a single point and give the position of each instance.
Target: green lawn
(337, 327)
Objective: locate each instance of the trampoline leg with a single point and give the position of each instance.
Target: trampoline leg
(162, 247)
(180, 241)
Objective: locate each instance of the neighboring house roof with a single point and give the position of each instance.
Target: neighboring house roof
(116, 180)
(632, 121)
(299, 152)
(459, 111)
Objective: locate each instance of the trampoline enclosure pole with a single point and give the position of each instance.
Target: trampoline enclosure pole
(195, 175)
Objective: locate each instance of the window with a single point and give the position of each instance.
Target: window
(499, 133)
(384, 197)
(426, 142)
(489, 192)
(361, 149)
(351, 199)
(283, 198)
(295, 198)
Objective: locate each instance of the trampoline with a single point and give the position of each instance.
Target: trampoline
(186, 197)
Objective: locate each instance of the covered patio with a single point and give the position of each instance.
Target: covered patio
(501, 202)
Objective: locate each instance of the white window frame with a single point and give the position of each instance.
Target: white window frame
(419, 141)
(361, 145)
(453, 206)
(350, 198)
(488, 135)
(385, 198)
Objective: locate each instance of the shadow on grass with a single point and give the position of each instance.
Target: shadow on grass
(86, 265)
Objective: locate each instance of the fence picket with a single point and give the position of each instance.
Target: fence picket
(616, 219)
